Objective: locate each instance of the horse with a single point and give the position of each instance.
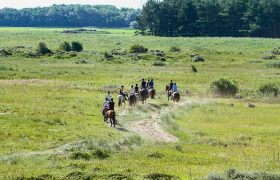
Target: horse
(169, 92)
(111, 115)
(121, 99)
(152, 93)
(175, 97)
(104, 113)
(143, 95)
(132, 100)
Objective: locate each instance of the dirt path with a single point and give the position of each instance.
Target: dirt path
(150, 128)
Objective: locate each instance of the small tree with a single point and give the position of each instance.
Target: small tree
(269, 88)
(77, 46)
(65, 46)
(136, 48)
(224, 87)
(43, 49)
(175, 49)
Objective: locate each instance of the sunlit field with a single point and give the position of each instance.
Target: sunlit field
(51, 126)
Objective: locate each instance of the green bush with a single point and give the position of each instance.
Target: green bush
(108, 56)
(274, 65)
(136, 48)
(77, 46)
(194, 69)
(269, 88)
(233, 174)
(43, 49)
(101, 154)
(175, 49)
(159, 63)
(65, 46)
(224, 87)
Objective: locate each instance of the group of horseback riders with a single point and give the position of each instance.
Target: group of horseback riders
(136, 93)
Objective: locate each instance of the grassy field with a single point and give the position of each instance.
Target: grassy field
(51, 125)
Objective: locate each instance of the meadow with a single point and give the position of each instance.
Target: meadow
(51, 125)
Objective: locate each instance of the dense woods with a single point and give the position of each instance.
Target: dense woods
(69, 16)
(255, 18)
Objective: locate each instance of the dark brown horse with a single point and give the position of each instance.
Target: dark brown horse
(144, 95)
(132, 100)
(175, 97)
(111, 115)
(152, 93)
(169, 92)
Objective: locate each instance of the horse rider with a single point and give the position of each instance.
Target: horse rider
(171, 85)
(175, 88)
(132, 91)
(122, 92)
(105, 106)
(151, 84)
(112, 105)
(136, 89)
(148, 83)
(109, 97)
(143, 84)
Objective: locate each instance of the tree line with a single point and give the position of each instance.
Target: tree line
(69, 16)
(254, 18)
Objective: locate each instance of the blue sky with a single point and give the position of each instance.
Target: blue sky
(42, 3)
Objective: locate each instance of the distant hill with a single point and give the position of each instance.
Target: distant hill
(69, 16)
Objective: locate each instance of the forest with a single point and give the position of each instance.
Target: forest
(238, 18)
(69, 16)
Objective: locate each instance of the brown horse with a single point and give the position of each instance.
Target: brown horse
(152, 93)
(175, 97)
(111, 115)
(143, 95)
(132, 100)
(169, 92)
(121, 99)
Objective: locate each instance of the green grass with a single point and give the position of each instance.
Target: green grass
(47, 102)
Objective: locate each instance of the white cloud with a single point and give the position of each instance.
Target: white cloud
(42, 3)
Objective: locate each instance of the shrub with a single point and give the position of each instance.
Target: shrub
(159, 64)
(270, 88)
(65, 46)
(136, 48)
(194, 69)
(5, 52)
(77, 46)
(276, 51)
(234, 174)
(108, 56)
(43, 49)
(160, 176)
(175, 49)
(82, 61)
(155, 155)
(224, 87)
(80, 155)
(269, 57)
(198, 58)
(274, 65)
(101, 154)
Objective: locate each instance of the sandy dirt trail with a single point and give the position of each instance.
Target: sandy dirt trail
(150, 128)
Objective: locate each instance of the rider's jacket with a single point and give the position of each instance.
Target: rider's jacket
(111, 105)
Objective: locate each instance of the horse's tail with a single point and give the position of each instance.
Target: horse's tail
(120, 103)
(114, 117)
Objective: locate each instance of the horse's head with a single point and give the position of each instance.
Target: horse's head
(166, 87)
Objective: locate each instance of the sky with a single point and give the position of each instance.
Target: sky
(19, 4)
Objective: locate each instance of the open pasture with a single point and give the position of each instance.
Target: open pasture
(51, 125)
